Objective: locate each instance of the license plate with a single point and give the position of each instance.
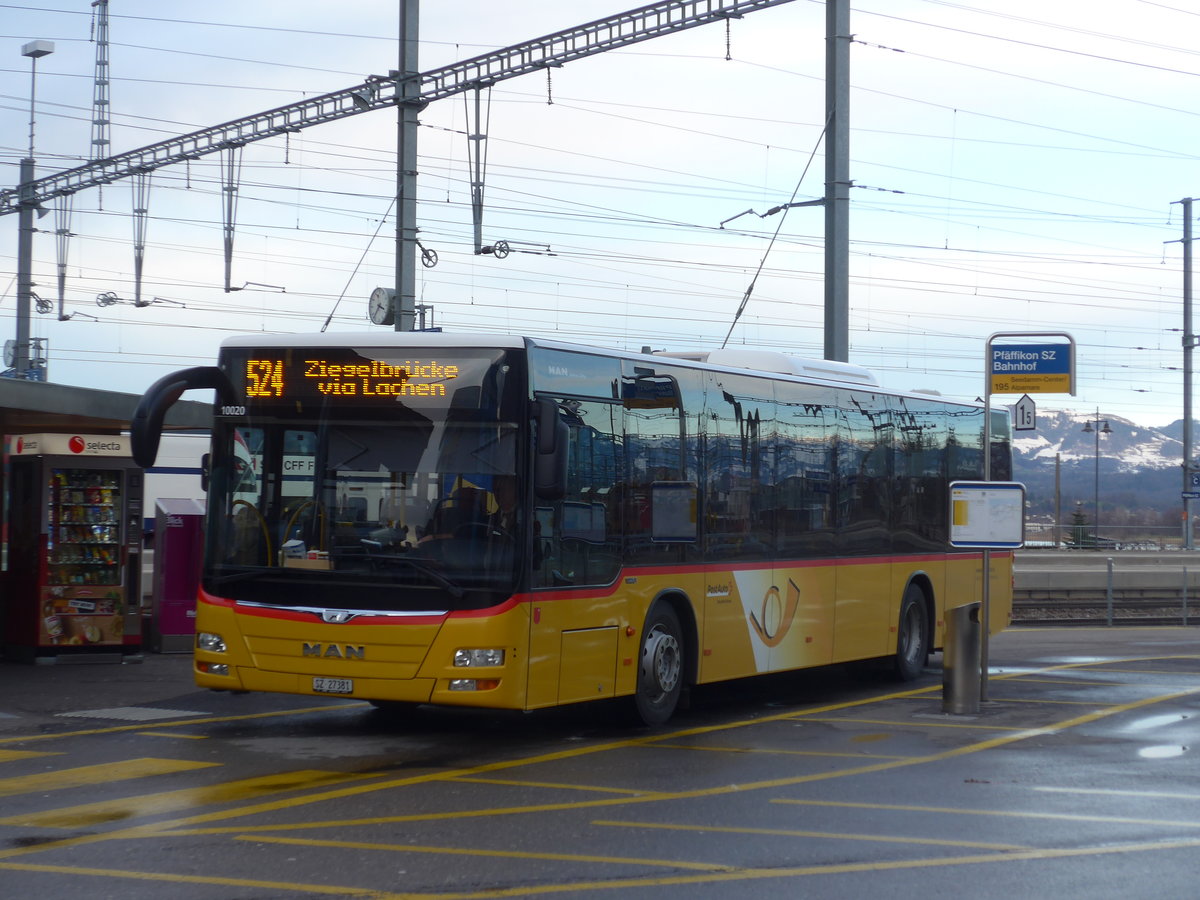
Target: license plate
(333, 686)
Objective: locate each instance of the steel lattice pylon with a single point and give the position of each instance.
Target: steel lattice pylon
(380, 92)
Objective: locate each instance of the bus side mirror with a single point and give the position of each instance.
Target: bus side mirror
(550, 460)
(205, 471)
(145, 429)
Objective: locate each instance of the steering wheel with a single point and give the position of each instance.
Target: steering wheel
(479, 529)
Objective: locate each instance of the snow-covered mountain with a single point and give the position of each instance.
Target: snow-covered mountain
(1133, 447)
(1135, 471)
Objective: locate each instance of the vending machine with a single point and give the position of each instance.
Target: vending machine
(73, 516)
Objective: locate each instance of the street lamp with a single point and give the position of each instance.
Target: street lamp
(1098, 430)
(35, 50)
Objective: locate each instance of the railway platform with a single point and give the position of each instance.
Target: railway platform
(1140, 587)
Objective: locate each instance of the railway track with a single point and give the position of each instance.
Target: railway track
(1125, 611)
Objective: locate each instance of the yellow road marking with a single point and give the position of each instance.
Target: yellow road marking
(553, 785)
(1067, 682)
(502, 854)
(997, 813)
(980, 746)
(770, 751)
(1113, 792)
(140, 726)
(291, 887)
(159, 828)
(996, 699)
(91, 814)
(165, 828)
(564, 806)
(174, 734)
(342, 793)
(620, 884)
(833, 836)
(1104, 668)
(86, 776)
(910, 723)
(10, 755)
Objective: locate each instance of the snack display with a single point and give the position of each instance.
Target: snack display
(84, 541)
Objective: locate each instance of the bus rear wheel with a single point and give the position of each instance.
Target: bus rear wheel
(660, 666)
(912, 638)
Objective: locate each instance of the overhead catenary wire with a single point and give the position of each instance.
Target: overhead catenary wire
(784, 209)
(595, 238)
(357, 266)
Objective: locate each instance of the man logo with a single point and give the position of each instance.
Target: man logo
(337, 616)
(334, 651)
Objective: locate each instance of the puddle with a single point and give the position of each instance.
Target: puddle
(1159, 721)
(1162, 751)
(1077, 660)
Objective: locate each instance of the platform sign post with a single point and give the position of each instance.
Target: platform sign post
(1018, 362)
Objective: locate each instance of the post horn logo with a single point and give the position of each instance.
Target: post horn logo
(777, 615)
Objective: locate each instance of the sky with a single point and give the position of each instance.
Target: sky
(1016, 167)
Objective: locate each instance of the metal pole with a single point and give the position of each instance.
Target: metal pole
(1096, 495)
(406, 167)
(1188, 343)
(33, 58)
(24, 270)
(837, 180)
(985, 612)
(1058, 536)
(21, 355)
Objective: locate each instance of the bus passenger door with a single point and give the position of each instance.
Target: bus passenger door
(576, 548)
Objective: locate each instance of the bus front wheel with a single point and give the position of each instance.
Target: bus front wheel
(660, 668)
(912, 638)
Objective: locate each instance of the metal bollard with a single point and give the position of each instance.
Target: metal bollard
(1185, 593)
(1108, 593)
(960, 661)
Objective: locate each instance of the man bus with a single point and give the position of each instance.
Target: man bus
(506, 522)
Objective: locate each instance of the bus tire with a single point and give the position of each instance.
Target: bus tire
(660, 666)
(912, 635)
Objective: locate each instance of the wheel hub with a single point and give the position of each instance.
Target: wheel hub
(661, 661)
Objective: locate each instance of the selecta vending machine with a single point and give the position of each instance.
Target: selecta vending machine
(73, 517)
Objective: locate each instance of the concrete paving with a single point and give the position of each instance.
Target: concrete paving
(1077, 778)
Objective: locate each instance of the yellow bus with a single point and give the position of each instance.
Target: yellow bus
(498, 521)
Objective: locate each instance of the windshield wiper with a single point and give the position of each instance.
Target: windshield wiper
(390, 559)
(245, 575)
(373, 554)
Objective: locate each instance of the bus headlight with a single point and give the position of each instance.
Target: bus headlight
(478, 658)
(213, 643)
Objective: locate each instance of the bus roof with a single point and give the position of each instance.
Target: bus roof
(380, 338)
(762, 362)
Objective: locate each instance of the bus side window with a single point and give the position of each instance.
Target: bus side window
(577, 537)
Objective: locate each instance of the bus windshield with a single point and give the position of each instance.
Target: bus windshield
(364, 480)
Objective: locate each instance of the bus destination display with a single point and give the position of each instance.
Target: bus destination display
(309, 375)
